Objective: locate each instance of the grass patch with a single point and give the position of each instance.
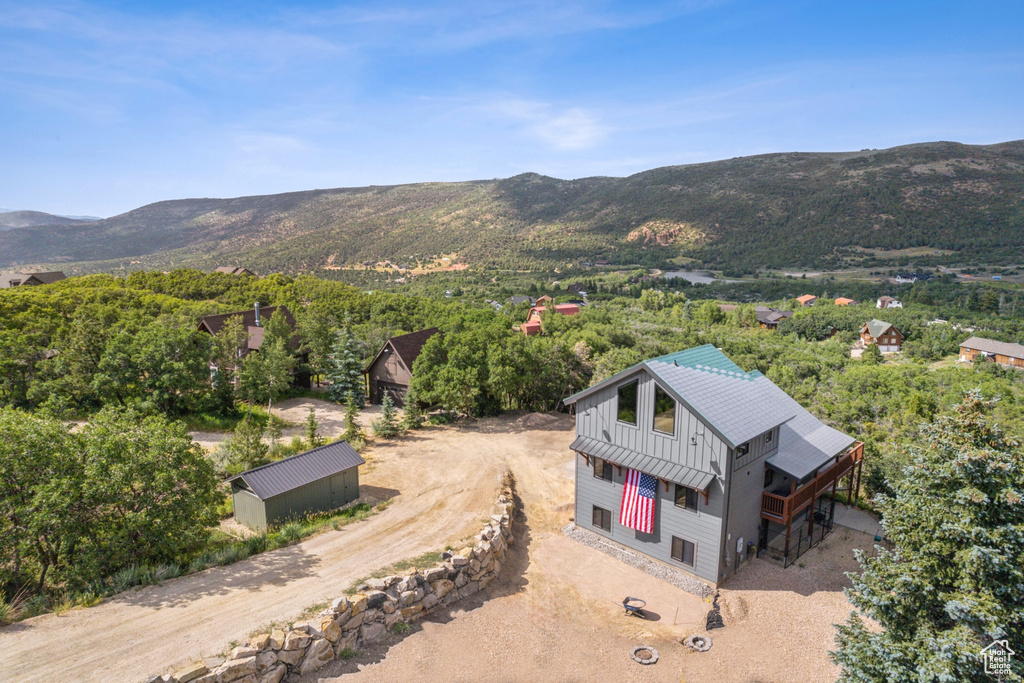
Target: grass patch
(347, 653)
(401, 627)
(424, 561)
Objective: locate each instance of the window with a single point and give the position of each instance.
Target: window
(602, 518)
(683, 551)
(769, 476)
(627, 402)
(742, 450)
(602, 469)
(664, 412)
(686, 497)
(769, 436)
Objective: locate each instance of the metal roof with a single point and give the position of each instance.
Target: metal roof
(656, 467)
(993, 346)
(805, 443)
(876, 328)
(298, 470)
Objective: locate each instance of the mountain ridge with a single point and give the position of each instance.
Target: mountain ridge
(768, 210)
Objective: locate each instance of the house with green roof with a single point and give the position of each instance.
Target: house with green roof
(885, 335)
(738, 467)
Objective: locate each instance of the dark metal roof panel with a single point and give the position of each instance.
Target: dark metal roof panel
(298, 470)
(657, 467)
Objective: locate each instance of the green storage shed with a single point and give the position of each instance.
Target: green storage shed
(324, 478)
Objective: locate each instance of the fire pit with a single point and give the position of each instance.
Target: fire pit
(698, 643)
(644, 654)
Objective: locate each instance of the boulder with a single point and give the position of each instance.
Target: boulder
(331, 630)
(371, 615)
(191, 672)
(391, 619)
(412, 610)
(158, 679)
(308, 627)
(243, 651)
(460, 561)
(389, 606)
(275, 675)
(460, 580)
(234, 669)
(260, 642)
(376, 584)
(213, 662)
(474, 565)
(406, 598)
(348, 642)
(292, 657)
(358, 602)
(371, 632)
(265, 660)
(432, 575)
(407, 584)
(486, 580)
(320, 652)
(339, 605)
(354, 622)
(496, 567)
(343, 616)
(442, 587)
(296, 640)
(276, 639)
(375, 599)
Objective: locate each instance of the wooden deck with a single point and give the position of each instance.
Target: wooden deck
(782, 509)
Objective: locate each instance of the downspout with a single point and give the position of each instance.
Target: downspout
(726, 537)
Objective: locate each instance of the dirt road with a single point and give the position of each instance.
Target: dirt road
(442, 482)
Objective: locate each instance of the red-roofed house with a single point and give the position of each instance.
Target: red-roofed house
(532, 325)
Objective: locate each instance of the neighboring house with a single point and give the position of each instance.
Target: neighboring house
(769, 318)
(543, 299)
(252, 323)
(532, 326)
(602, 262)
(888, 302)
(807, 299)
(390, 371)
(885, 335)
(325, 478)
(843, 301)
(577, 289)
(235, 270)
(516, 300)
(735, 466)
(13, 279)
(493, 304)
(1004, 353)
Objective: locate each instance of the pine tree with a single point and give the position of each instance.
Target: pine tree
(386, 426)
(951, 585)
(313, 437)
(344, 370)
(353, 433)
(412, 414)
(246, 447)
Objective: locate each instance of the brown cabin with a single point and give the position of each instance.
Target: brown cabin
(1003, 353)
(885, 335)
(252, 322)
(11, 279)
(390, 371)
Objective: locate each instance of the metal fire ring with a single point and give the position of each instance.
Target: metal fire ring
(641, 660)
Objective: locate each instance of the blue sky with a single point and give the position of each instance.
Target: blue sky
(108, 106)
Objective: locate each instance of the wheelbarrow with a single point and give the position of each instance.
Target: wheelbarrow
(634, 607)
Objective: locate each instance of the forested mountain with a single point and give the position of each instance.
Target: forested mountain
(773, 210)
(9, 220)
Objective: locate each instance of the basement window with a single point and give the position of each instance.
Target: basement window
(683, 551)
(627, 402)
(602, 518)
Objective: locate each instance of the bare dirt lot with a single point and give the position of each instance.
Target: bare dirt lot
(442, 482)
(554, 616)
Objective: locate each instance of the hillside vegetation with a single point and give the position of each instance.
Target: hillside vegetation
(9, 220)
(774, 210)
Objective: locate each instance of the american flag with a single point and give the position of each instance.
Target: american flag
(638, 502)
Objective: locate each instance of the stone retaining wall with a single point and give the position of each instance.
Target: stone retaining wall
(366, 616)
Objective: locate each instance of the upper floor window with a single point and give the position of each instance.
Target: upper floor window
(602, 469)
(769, 436)
(742, 449)
(664, 412)
(627, 402)
(686, 497)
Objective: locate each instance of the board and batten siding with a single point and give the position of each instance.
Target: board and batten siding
(702, 527)
(597, 418)
(248, 508)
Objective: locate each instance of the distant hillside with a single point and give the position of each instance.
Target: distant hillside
(9, 220)
(771, 210)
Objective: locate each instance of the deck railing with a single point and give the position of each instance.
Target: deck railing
(780, 508)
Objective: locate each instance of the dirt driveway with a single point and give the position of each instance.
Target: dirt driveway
(442, 481)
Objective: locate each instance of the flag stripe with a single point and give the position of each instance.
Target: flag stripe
(638, 500)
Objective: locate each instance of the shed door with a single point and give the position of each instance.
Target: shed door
(338, 490)
(396, 391)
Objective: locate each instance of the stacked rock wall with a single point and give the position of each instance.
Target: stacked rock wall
(365, 616)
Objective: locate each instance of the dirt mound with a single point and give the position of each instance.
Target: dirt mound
(541, 421)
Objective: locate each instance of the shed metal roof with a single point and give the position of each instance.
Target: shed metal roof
(298, 470)
(656, 467)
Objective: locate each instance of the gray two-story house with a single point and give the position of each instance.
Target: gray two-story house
(740, 466)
